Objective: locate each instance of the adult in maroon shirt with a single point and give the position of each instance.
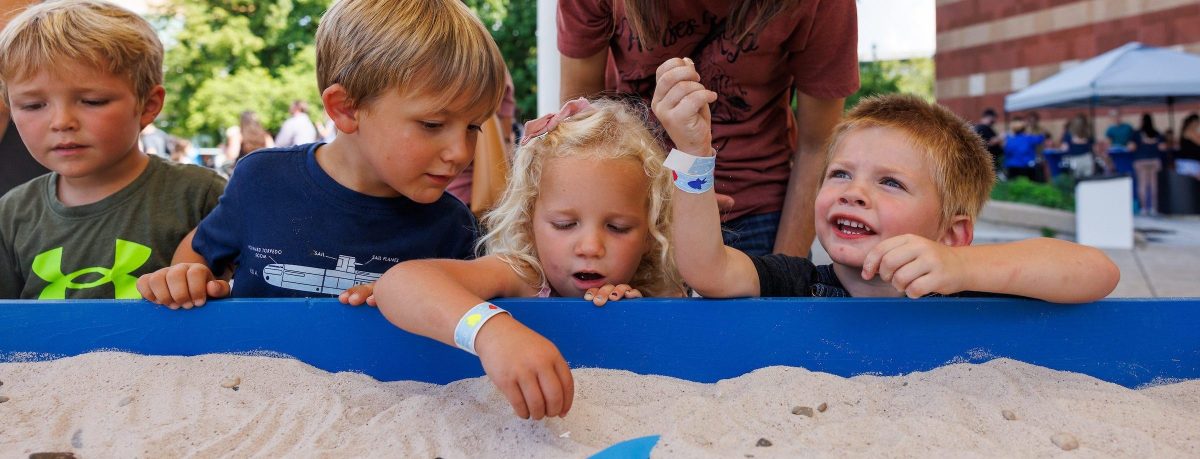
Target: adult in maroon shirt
(757, 55)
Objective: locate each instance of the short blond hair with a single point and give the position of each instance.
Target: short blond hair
(434, 47)
(97, 33)
(961, 166)
(610, 130)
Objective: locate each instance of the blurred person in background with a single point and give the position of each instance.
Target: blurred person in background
(1120, 133)
(1187, 158)
(1147, 146)
(1079, 145)
(183, 152)
(245, 137)
(156, 142)
(1021, 151)
(986, 130)
(298, 129)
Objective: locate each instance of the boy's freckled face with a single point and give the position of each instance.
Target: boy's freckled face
(77, 120)
(414, 146)
(590, 225)
(877, 185)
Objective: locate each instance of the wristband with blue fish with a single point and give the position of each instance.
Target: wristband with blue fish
(691, 173)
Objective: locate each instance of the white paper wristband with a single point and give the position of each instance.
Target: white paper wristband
(687, 163)
(468, 326)
(691, 173)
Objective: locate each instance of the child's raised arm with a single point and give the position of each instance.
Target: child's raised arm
(705, 263)
(1043, 268)
(430, 297)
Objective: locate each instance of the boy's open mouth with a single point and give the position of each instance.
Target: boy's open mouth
(853, 227)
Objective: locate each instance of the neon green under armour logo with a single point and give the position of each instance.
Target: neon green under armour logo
(129, 257)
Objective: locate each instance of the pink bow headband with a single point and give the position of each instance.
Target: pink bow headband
(539, 127)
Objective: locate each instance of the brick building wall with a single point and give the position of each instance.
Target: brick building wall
(986, 49)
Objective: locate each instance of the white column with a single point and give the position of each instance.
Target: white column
(547, 61)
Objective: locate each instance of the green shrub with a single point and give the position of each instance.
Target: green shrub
(1057, 195)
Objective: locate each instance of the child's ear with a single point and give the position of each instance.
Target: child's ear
(152, 106)
(960, 232)
(341, 108)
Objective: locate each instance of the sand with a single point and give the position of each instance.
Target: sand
(111, 404)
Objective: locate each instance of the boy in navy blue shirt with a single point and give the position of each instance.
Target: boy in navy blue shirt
(408, 84)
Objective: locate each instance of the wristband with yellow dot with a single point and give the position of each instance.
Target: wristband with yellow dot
(470, 323)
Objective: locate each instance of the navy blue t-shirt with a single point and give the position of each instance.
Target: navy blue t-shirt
(292, 231)
(1147, 147)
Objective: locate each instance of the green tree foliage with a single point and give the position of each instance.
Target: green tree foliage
(226, 56)
(513, 24)
(916, 76)
(874, 80)
(909, 76)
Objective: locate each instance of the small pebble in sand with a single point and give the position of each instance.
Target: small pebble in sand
(763, 442)
(822, 407)
(566, 434)
(125, 401)
(3, 399)
(77, 439)
(1065, 441)
(1009, 415)
(52, 456)
(231, 383)
(807, 411)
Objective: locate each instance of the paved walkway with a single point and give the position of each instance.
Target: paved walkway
(1165, 261)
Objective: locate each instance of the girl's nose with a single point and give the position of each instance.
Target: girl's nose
(590, 245)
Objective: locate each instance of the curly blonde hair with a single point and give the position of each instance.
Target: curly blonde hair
(608, 130)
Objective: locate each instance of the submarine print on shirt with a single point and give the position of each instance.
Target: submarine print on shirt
(317, 280)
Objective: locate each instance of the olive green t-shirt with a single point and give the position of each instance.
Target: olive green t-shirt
(97, 251)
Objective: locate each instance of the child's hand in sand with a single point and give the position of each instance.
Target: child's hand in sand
(184, 285)
(681, 104)
(526, 367)
(608, 292)
(359, 294)
(917, 266)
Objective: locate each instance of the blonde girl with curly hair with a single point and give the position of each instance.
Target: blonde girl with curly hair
(585, 214)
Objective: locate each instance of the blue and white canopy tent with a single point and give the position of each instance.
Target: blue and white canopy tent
(1133, 74)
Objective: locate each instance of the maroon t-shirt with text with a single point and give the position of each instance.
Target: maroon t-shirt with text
(812, 48)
